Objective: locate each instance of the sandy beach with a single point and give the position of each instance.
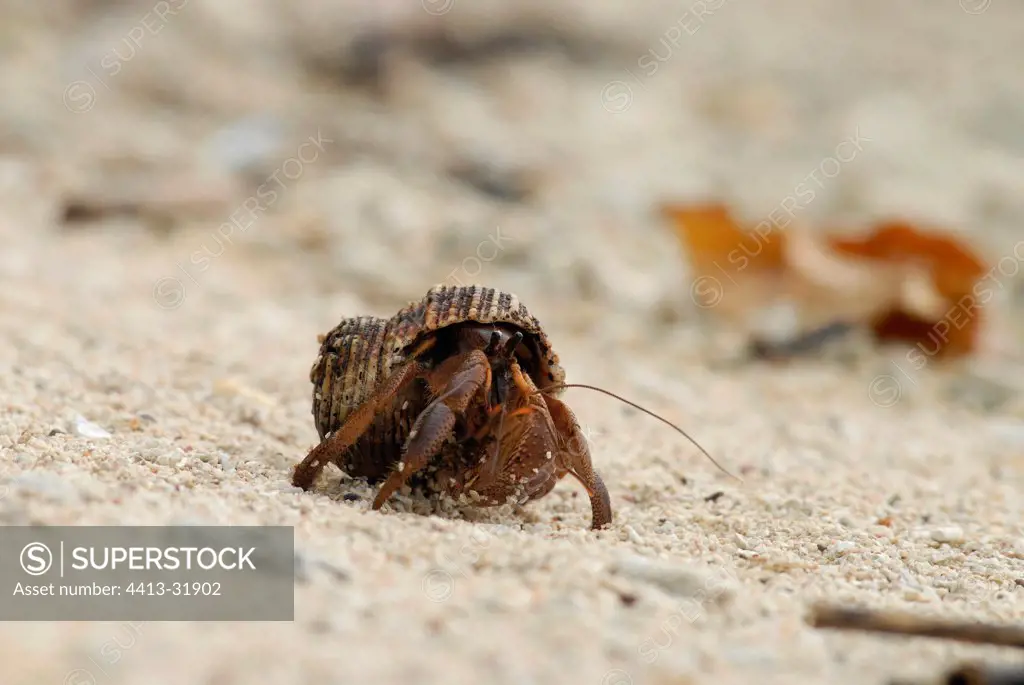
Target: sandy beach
(155, 353)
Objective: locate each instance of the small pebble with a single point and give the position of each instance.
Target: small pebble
(923, 594)
(844, 546)
(245, 143)
(948, 534)
(88, 429)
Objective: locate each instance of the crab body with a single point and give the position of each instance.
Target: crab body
(444, 396)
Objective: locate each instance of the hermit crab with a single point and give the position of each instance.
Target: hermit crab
(457, 393)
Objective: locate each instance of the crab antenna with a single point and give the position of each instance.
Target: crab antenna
(559, 386)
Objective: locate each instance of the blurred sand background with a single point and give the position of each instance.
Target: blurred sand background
(523, 145)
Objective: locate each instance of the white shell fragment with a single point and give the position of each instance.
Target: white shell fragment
(88, 429)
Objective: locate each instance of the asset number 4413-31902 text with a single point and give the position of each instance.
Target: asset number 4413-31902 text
(174, 589)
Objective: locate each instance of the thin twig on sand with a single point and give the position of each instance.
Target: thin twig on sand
(918, 626)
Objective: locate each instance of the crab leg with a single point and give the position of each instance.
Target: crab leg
(576, 458)
(434, 425)
(520, 439)
(334, 446)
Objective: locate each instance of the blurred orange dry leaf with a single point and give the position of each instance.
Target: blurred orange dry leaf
(954, 268)
(907, 284)
(711, 235)
(733, 266)
(954, 271)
